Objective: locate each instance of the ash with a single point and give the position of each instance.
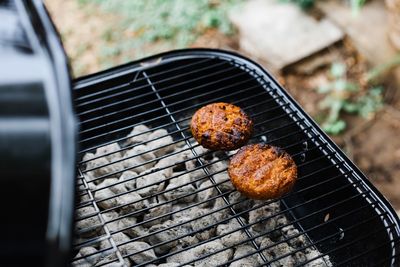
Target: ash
(149, 201)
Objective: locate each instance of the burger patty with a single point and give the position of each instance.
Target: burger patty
(261, 171)
(221, 126)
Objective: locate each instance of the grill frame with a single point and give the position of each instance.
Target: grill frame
(329, 148)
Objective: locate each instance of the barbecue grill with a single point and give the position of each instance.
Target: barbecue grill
(148, 195)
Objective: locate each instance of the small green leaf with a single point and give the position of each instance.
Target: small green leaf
(338, 70)
(334, 127)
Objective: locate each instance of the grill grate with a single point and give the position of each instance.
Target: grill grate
(331, 209)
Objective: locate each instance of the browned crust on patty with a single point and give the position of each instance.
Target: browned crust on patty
(261, 171)
(221, 126)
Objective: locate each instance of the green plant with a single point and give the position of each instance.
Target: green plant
(146, 27)
(356, 5)
(343, 95)
(304, 4)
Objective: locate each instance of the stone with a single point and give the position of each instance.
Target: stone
(367, 29)
(129, 179)
(281, 33)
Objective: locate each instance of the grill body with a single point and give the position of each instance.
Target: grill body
(333, 204)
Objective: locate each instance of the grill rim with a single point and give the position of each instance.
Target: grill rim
(143, 64)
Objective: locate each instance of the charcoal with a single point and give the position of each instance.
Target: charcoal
(130, 227)
(234, 238)
(169, 232)
(203, 250)
(206, 194)
(150, 182)
(142, 257)
(113, 148)
(198, 177)
(135, 162)
(296, 242)
(135, 203)
(243, 203)
(223, 210)
(132, 199)
(166, 164)
(105, 170)
(111, 260)
(160, 210)
(160, 146)
(184, 215)
(203, 224)
(86, 225)
(319, 262)
(108, 216)
(141, 197)
(276, 251)
(87, 260)
(178, 188)
(129, 179)
(223, 181)
(249, 261)
(136, 136)
(263, 213)
(111, 183)
(217, 165)
(105, 194)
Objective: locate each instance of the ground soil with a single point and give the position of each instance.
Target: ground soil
(373, 144)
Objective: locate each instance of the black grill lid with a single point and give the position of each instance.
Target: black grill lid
(37, 138)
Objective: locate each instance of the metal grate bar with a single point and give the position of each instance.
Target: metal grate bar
(175, 112)
(187, 128)
(171, 123)
(116, 103)
(251, 238)
(211, 213)
(114, 88)
(107, 231)
(145, 113)
(368, 235)
(297, 235)
(173, 132)
(205, 165)
(323, 173)
(186, 140)
(204, 177)
(240, 221)
(164, 80)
